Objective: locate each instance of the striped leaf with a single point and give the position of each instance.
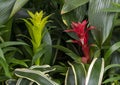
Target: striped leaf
(104, 22)
(72, 4)
(23, 81)
(75, 74)
(36, 76)
(95, 72)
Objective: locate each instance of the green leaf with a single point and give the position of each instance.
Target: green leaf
(111, 66)
(77, 77)
(112, 79)
(72, 4)
(43, 68)
(5, 10)
(75, 15)
(95, 72)
(17, 6)
(114, 8)
(38, 55)
(104, 22)
(23, 81)
(4, 64)
(17, 61)
(11, 43)
(10, 82)
(36, 76)
(111, 50)
(70, 79)
(68, 52)
(47, 58)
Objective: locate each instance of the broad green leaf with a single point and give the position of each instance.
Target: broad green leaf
(4, 64)
(95, 72)
(104, 22)
(70, 78)
(47, 58)
(5, 10)
(114, 8)
(36, 76)
(111, 50)
(11, 43)
(23, 81)
(17, 6)
(78, 75)
(72, 4)
(68, 52)
(10, 82)
(75, 15)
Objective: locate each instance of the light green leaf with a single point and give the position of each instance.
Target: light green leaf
(95, 72)
(11, 43)
(17, 61)
(36, 76)
(38, 55)
(112, 79)
(111, 50)
(72, 4)
(104, 22)
(5, 10)
(111, 66)
(17, 6)
(4, 64)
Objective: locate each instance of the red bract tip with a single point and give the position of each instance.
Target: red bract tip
(81, 31)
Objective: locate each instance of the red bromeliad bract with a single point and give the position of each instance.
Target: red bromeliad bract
(82, 32)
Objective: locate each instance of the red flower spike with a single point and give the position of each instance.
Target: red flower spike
(82, 32)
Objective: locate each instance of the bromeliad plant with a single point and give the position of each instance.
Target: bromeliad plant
(81, 31)
(36, 25)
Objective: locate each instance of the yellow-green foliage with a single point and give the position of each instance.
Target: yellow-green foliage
(35, 26)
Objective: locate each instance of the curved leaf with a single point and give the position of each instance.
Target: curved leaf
(5, 10)
(75, 15)
(18, 4)
(68, 52)
(23, 81)
(4, 64)
(112, 79)
(11, 43)
(78, 74)
(111, 66)
(95, 72)
(48, 55)
(111, 50)
(104, 22)
(70, 80)
(72, 4)
(36, 76)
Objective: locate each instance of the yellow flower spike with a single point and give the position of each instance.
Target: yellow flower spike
(35, 25)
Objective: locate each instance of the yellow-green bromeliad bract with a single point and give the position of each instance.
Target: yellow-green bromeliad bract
(35, 25)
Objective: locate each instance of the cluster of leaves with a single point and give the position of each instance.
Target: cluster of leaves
(33, 47)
